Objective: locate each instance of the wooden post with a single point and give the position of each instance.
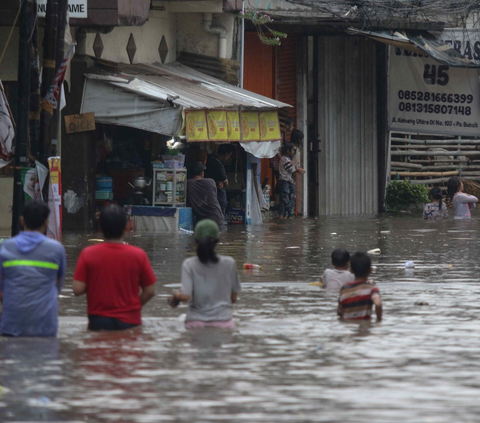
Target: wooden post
(26, 21)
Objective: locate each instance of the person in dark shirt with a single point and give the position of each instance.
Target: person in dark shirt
(216, 171)
(196, 156)
(202, 196)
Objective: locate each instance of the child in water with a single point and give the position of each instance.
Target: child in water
(286, 184)
(358, 297)
(461, 202)
(436, 209)
(336, 278)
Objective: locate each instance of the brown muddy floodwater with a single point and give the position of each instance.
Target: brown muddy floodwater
(290, 359)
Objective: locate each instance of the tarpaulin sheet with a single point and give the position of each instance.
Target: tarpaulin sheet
(114, 104)
(262, 150)
(422, 43)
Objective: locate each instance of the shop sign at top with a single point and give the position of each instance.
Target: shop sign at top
(426, 96)
(77, 9)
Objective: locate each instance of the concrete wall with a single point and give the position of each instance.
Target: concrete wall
(182, 31)
(9, 65)
(192, 37)
(8, 72)
(6, 201)
(147, 39)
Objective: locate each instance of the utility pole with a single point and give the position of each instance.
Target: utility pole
(35, 88)
(48, 75)
(60, 55)
(24, 66)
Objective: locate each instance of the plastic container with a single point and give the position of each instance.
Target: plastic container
(177, 157)
(104, 183)
(174, 162)
(250, 266)
(103, 195)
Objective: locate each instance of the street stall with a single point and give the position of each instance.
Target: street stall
(151, 118)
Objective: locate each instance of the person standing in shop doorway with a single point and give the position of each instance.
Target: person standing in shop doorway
(275, 161)
(216, 171)
(202, 196)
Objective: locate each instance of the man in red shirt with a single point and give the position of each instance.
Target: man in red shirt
(117, 278)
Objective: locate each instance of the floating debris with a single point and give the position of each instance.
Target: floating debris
(250, 266)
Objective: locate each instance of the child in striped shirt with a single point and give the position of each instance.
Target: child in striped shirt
(286, 184)
(357, 297)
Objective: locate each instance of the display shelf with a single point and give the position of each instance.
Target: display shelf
(169, 187)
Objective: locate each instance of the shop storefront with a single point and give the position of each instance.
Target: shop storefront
(150, 123)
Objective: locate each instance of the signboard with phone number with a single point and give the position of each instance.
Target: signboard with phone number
(428, 97)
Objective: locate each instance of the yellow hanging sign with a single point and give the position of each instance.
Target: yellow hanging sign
(196, 125)
(269, 126)
(233, 126)
(250, 126)
(217, 125)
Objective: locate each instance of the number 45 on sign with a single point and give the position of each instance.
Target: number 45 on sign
(432, 77)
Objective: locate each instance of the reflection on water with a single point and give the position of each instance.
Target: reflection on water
(290, 359)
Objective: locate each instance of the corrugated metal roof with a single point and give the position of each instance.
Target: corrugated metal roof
(184, 86)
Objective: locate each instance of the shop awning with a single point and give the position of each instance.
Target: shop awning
(155, 97)
(422, 43)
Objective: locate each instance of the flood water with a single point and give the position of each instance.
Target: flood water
(291, 359)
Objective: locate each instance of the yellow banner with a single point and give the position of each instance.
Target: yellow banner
(233, 126)
(217, 125)
(250, 127)
(221, 126)
(196, 126)
(269, 126)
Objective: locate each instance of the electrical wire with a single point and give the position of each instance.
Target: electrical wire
(449, 12)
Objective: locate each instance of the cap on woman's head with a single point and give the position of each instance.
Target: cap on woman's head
(206, 228)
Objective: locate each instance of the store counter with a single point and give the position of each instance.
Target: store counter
(159, 219)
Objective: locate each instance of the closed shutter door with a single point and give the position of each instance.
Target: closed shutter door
(287, 75)
(348, 175)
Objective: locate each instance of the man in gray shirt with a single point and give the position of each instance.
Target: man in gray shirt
(202, 197)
